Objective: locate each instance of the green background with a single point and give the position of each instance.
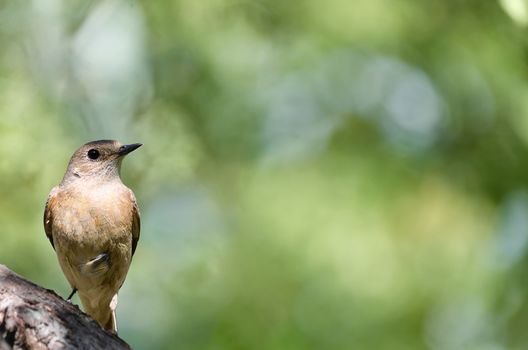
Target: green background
(315, 175)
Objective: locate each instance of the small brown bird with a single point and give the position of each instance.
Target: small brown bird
(92, 221)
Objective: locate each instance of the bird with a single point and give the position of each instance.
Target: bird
(93, 223)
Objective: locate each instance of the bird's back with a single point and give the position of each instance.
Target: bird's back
(90, 221)
(92, 230)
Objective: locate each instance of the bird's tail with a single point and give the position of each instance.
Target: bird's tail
(102, 312)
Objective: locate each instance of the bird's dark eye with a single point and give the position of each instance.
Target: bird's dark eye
(93, 154)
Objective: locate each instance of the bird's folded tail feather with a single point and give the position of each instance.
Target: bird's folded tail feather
(101, 312)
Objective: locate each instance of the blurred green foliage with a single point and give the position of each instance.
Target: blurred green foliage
(315, 175)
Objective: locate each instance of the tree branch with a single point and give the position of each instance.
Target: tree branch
(32, 317)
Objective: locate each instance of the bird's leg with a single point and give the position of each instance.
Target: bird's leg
(113, 306)
(74, 290)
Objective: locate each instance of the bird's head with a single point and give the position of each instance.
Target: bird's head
(98, 159)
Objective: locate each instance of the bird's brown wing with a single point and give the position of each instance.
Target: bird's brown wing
(48, 214)
(136, 223)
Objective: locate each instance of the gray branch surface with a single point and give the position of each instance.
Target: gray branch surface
(32, 317)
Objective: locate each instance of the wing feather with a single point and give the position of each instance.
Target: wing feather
(136, 223)
(48, 214)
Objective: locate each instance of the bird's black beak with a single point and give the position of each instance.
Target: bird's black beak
(126, 149)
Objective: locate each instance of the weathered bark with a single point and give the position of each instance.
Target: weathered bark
(32, 317)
